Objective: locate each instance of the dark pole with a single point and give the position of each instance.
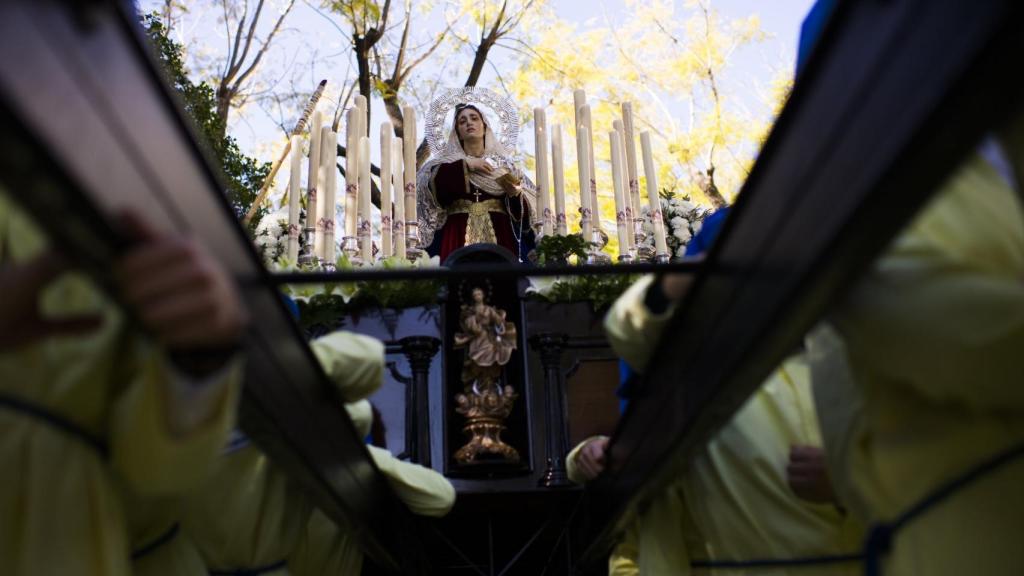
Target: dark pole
(420, 351)
(550, 347)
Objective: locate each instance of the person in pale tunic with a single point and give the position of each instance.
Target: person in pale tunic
(735, 501)
(249, 514)
(325, 547)
(933, 338)
(82, 415)
(766, 459)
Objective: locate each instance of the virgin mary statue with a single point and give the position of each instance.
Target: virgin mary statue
(471, 191)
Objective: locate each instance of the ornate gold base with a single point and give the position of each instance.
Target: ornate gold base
(486, 412)
(485, 443)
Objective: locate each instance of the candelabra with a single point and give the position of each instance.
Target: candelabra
(643, 252)
(306, 257)
(350, 248)
(596, 255)
(413, 250)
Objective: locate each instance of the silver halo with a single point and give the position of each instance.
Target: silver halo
(506, 113)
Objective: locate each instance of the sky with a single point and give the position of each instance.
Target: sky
(308, 31)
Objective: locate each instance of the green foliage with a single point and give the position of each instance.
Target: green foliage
(601, 290)
(556, 249)
(324, 312)
(325, 306)
(244, 175)
(396, 293)
(330, 309)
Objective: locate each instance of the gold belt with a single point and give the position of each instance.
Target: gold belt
(479, 229)
(463, 206)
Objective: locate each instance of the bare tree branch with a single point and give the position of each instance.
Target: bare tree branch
(237, 68)
(263, 48)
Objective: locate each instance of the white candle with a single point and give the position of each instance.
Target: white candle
(329, 170)
(294, 185)
(360, 102)
(409, 144)
(582, 152)
(326, 201)
(579, 100)
(544, 217)
(313, 180)
(632, 170)
(365, 232)
(398, 177)
(617, 125)
(385, 190)
(558, 171)
(594, 204)
(620, 198)
(352, 133)
(653, 199)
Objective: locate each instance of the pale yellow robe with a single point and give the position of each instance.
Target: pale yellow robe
(935, 335)
(327, 549)
(249, 514)
(61, 508)
(840, 408)
(734, 493)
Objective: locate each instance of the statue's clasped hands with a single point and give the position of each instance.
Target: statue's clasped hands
(479, 166)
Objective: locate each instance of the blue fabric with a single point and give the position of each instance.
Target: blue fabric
(626, 377)
(810, 30)
(701, 243)
(292, 305)
(698, 245)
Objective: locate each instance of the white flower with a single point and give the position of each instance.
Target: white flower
(681, 251)
(677, 223)
(685, 206)
(683, 234)
(697, 226)
(542, 285)
(264, 240)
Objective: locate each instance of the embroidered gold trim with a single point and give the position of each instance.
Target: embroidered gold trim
(479, 228)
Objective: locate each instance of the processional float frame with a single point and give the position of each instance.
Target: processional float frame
(894, 95)
(88, 127)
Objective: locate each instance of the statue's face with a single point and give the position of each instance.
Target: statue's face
(478, 295)
(469, 124)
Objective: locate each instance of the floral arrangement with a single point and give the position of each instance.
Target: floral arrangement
(556, 249)
(271, 238)
(325, 305)
(682, 218)
(601, 290)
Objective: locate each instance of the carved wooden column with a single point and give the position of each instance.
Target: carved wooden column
(550, 346)
(420, 351)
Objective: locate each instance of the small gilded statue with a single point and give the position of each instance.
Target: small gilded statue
(488, 340)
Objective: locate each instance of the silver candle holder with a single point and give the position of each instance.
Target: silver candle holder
(413, 249)
(350, 248)
(598, 241)
(306, 257)
(643, 252)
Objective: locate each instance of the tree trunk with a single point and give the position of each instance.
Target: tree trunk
(362, 46)
(224, 97)
(394, 110)
(479, 59)
(711, 191)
